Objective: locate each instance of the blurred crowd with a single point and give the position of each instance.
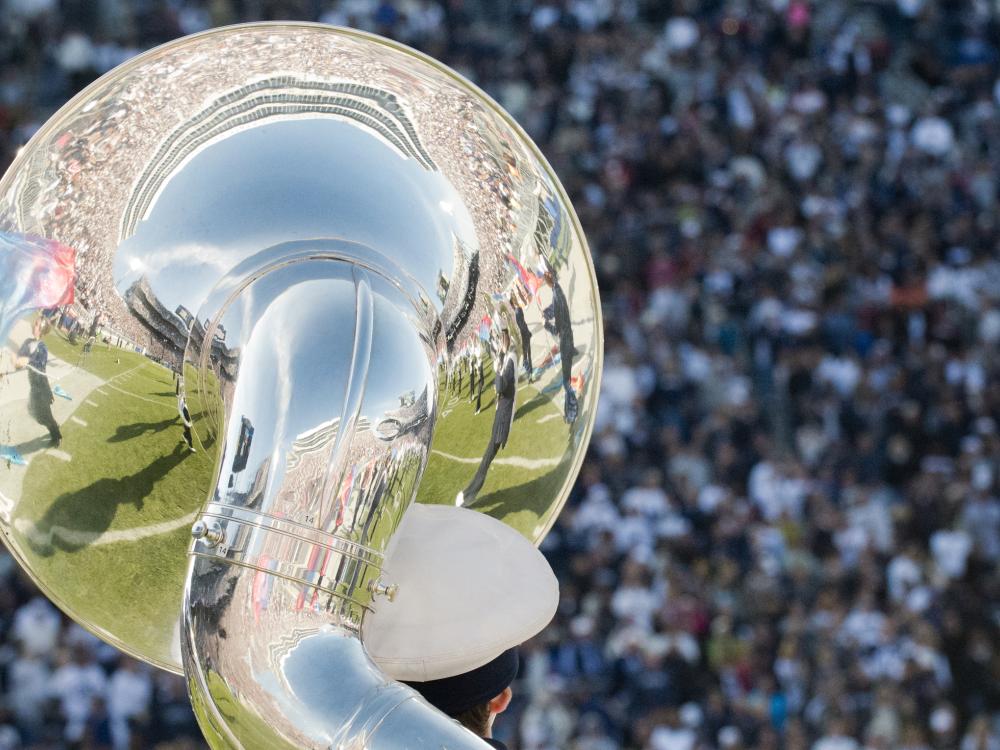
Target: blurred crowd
(786, 533)
(64, 688)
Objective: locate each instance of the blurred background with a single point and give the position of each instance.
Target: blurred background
(787, 530)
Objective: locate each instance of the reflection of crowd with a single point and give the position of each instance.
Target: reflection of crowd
(786, 533)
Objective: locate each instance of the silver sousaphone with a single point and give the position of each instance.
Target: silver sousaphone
(252, 289)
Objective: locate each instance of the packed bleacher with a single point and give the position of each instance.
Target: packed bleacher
(786, 534)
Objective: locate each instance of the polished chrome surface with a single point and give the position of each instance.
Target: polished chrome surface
(315, 275)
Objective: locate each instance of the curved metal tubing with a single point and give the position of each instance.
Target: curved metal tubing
(278, 589)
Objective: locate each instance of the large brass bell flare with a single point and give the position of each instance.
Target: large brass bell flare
(261, 290)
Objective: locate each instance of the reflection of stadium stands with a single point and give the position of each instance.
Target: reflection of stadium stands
(308, 461)
(308, 458)
(225, 360)
(167, 327)
(461, 290)
(281, 97)
(184, 314)
(170, 330)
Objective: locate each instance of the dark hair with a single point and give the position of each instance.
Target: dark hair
(476, 719)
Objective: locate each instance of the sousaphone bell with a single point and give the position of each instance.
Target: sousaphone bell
(260, 281)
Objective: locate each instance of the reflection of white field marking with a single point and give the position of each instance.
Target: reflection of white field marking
(90, 403)
(6, 506)
(119, 377)
(450, 404)
(80, 538)
(62, 456)
(77, 420)
(141, 398)
(547, 417)
(518, 461)
(127, 372)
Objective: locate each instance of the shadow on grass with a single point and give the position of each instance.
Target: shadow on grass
(91, 509)
(130, 431)
(535, 495)
(529, 406)
(34, 445)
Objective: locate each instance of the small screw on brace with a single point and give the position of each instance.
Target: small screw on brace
(380, 589)
(210, 533)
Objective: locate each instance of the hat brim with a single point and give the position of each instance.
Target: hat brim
(470, 588)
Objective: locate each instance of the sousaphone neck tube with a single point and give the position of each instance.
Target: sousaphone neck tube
(287, 555)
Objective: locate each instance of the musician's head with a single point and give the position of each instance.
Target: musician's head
(471, 590)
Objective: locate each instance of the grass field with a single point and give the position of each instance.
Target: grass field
(115, 519)
(526, 475)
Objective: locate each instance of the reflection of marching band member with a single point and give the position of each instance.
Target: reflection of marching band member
(88, 346)
(560, 325)
(34, 355)
(505, 381)
(476, 370)
(522, 328)
(456, 383)
(182, 409)
(473, 358)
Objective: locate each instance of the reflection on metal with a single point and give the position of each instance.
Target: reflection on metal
(278, 97)
(318, 277)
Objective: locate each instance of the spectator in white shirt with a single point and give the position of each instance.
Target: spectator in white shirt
(836, 737)
(36, 627)
(130, 691)
(75, 685)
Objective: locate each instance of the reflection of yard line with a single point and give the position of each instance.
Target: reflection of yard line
(111, 384)
(6, 506)
(141, 398)
(128, 371)
(78, 421)
(76, 537)
(518, 461)
(547, 417)
(450, 404)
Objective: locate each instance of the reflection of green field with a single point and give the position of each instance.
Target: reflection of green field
(521, 497)
(252, 730)
(102, 360)
(129, 475)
